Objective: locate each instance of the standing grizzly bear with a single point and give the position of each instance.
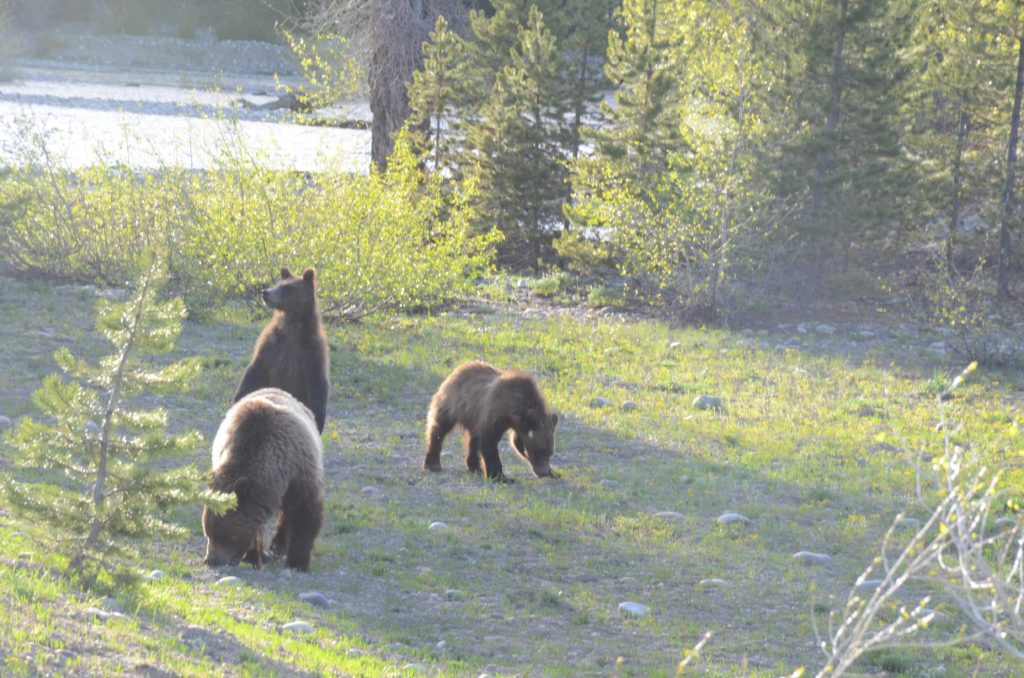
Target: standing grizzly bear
(268, 452)
(291, 352)
(486, 402)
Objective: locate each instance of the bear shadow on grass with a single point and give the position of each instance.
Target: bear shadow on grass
(582, 453)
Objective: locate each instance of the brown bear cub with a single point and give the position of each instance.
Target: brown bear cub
(486, 402)
(268, 452)
(291, 353)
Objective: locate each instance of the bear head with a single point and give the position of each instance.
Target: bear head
(291, 294)
(231, 535)
(534, 441)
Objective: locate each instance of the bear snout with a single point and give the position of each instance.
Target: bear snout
(266, 296)
(543, 471)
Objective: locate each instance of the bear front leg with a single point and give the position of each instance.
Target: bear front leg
(472, 447)
(491, 460)
(279, 544)
(437, 428)
(254, 379)
(254, 556)
(306, 516)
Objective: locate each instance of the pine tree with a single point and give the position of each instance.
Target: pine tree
(97, 467)
(515, 146)
(433, 94)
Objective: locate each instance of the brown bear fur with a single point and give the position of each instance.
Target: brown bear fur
(291, 352)
(268, 452)
(486, 402)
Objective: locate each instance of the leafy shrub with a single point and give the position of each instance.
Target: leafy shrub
(392, 240)
(552, 285)
(978, 326)
(612, 297)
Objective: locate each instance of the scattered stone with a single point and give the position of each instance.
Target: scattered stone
(730, 517)
(1006, 521)
(824, 329)
(314, 598)
(708, 402)
(441, 644)
(667, 514)
(628, 406)
(447, 453)
(355, 652)
(609, 484)
(369, 489)
(674, 345)
(867, 334)
(298, 627)
(5, 422)
(454, 594)
(600, 402)
(155, 575)
(803, 328)
(97, 614)
(228, 581)
(909, 523)
(110, 604)
(632, 609)
(438, 525)
(870, 584)
(811, 558)
(414, 668)
(713, 581)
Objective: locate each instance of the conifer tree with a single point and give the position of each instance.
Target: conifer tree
(515, 146)
(94, 469)
(434, 94)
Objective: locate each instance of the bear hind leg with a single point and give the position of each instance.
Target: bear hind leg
(305, 515)
(438, 426)
(279, 544)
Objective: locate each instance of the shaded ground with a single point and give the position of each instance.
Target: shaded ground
(526, 578)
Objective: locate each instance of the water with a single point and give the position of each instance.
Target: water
(153, 126)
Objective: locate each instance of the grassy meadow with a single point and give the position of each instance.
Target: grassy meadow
(823, 440)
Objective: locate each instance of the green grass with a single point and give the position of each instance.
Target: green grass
(819, 446)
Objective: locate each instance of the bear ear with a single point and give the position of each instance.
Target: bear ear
(241, 487)
(554, 419)
(285, 273)
(309, 275)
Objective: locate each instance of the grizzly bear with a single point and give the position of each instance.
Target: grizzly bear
(291, 352)
(486, 402)
(268, 452)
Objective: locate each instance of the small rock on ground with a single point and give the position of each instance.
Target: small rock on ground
(5, 422)
(298, 627)
(414, 668)
(731, 517)
(437, 525)
(632, 609)
(811, 558)
(155, 575)
(369, 489)
(100, 614)
(709, 402)
(713, 581)
(600, 402)
(454, 594)
(628, 406)
(910, 523)
(667, 514)
(355, 652)
(314, 598)
(228, 581)
(609, 484)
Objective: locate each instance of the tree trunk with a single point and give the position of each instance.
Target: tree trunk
(954, 218)
(1009, 188)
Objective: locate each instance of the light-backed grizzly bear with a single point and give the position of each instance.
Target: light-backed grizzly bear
(486, 402)
(291, 352)
(268, 452)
